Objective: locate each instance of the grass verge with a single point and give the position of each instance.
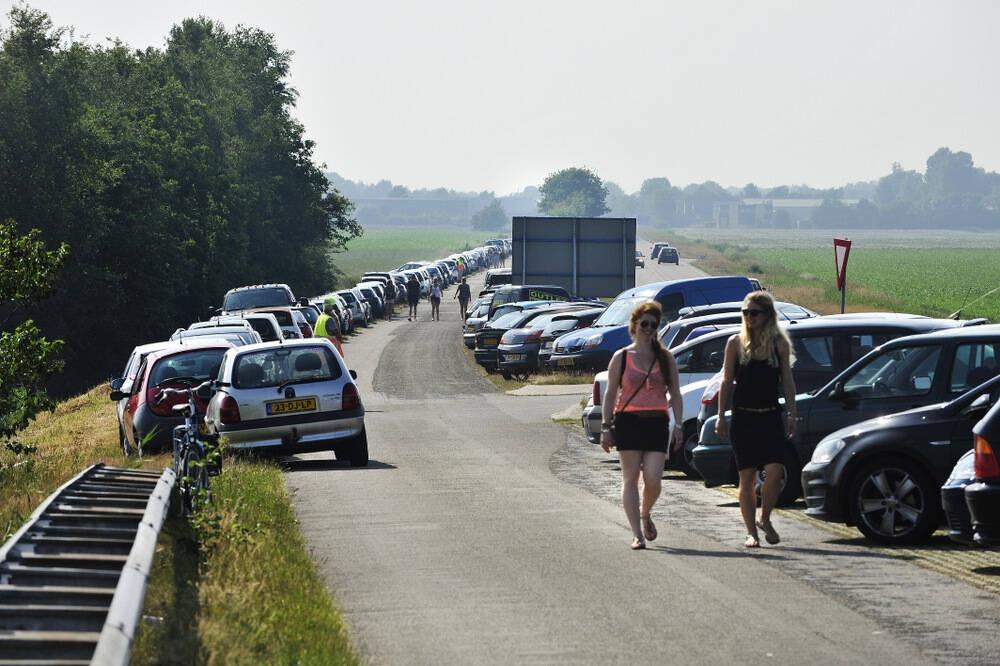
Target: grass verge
(539, 379)
(260, 599)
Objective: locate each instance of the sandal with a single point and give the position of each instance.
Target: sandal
(638, 544)
(751, 542)
(648, 528)
(770, 534)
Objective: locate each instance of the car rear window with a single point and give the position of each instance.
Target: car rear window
(283, 365)
(263, 328)
(201, 364)
(284, 317)
(256, 298)
(348, 296)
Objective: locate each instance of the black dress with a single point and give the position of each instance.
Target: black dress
(757, 432)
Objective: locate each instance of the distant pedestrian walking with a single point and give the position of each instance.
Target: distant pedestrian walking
(635, 417)
(756, 360)
(463, 294)
(390, 299)
(435, 297)
(412, 296)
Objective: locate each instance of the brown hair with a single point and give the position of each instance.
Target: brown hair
(653, 308)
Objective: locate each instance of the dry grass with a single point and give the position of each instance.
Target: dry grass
(81, 431)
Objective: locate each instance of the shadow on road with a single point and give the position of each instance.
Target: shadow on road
(747, 552)
(299, 465)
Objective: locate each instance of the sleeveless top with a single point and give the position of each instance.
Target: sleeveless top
(757, 384)
(435, 292)
(651, 397)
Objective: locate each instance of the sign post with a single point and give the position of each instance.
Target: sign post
(841, 251)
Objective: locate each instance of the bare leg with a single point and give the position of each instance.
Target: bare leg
(748, 502)
(769, 495)
(652, 475)
(631, 462)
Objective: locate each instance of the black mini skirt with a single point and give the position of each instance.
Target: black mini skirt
(641, 433)
(758, 438)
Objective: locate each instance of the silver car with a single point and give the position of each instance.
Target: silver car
(288, 398)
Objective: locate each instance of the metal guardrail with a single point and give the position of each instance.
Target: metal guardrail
(73, 578)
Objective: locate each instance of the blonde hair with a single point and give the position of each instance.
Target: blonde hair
(767, 334)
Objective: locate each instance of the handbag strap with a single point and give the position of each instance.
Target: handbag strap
(639, 387)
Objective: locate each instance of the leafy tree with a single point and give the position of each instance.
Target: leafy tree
(491, 218)
(573, 192)
(900, 185)
(751, 191)
(27, 274)
(658, 200)
(954, 173)
(779, 192)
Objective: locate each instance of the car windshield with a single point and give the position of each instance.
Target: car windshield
(201, 364)
(617, 313)
(901, 371)
(264, 329)
(277, 366)
(310, 314)
(347, 296)
(255, 298)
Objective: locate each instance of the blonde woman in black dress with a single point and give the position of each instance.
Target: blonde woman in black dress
(756, 362)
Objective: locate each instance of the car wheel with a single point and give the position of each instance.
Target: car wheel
(892, 501)
(126, 447)
(506, 374)
(685, 461)
(521, 376)
(358, 455)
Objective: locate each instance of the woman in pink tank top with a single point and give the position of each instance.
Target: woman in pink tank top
(640, 377)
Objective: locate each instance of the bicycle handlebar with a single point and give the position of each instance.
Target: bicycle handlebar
(189, 391)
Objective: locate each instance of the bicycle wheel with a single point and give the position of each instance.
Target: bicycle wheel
(189, 478)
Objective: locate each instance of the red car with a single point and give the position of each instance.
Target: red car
(150, 423)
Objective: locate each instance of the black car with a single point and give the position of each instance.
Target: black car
(561, 324)
(884, 475)
(488, 337)
(517, 353)
(512, 293)
(928, 369)
(983, 495)
(956, 511)
(668, 255)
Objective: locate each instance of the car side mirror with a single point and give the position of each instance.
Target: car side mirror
(205, 391)
(354, 374)
(838, 392)
(117, 395)
(116, 383)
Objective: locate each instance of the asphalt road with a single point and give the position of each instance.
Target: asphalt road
(483, 532)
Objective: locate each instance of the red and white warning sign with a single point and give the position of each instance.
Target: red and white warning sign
(841, 250)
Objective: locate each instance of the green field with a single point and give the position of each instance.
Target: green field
(386, 249)
(923, 272)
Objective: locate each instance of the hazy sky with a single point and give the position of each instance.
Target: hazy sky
(472, 95)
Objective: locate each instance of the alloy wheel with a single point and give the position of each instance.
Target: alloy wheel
(891, 502)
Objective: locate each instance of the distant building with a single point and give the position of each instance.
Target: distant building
(756, 213)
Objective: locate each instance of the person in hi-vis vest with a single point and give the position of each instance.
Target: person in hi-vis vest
(328, 326)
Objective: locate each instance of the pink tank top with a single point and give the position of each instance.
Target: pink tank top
(651, 397)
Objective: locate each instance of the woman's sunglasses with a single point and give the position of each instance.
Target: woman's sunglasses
(750, 312)
(645, 323)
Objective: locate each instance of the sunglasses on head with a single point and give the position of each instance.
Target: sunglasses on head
(752, 312)
(645, 323)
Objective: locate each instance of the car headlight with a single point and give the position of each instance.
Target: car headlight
(827, 450)
(593, 342)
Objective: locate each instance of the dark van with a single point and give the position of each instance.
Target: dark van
(591, 348)
(514, 293)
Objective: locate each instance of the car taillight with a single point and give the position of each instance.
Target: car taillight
(508, 338)
(351, 399)
(597, 394)
(163, 408)
(986, 464)
(229, 411)
(533, 336)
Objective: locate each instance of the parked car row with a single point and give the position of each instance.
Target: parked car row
(277, 387)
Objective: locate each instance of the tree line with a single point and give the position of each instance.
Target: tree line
(951, 193)
(169, 175)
